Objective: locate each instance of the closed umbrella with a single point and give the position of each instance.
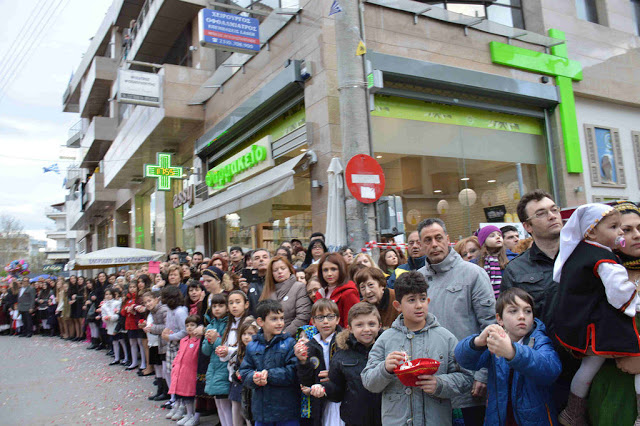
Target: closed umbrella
(336, 232)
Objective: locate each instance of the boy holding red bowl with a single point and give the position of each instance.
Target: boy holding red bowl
(415, 334)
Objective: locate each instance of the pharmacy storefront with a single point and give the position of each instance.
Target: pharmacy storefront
(258, 194)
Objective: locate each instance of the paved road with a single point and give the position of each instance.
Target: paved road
(48, 381)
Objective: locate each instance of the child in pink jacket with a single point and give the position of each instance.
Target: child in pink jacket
(183, 374)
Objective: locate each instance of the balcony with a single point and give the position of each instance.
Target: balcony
(75, 135)
(148, 130)
(75, 175)
(159, 24)
(59, 234)
(120, 13)
(56, 211)
(57, 254)
(96, 86)
(97, 140)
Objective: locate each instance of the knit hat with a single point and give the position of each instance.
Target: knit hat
(214, 272)
(485, 232)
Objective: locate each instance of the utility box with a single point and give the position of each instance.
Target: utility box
(390, 216)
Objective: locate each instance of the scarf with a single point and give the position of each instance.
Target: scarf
(492, 266)
(305, 401)
(193, 309)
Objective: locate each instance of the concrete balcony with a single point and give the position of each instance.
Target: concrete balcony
(148, 130)
(74, 176)
(97, 140)
(91, 204)
(75, 135)
(159, 24)
(96, 86)
(58, 254)
(60, 234)
(57, 212)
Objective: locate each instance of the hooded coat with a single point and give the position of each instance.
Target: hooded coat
(345, 296)
(535, 366)
(185, 367)
(217, 382)
(345, 383)
(401, 404)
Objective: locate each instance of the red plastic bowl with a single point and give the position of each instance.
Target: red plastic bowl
(420, 367)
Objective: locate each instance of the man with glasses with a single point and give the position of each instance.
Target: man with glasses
(532, 271)
(417, 258)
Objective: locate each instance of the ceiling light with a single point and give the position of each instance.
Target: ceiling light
(437, 191)
(491, 181)
(303, 150)
(378, 156)
(465, 179)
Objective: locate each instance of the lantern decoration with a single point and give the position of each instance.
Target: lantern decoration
(443, 206)
(467, 197)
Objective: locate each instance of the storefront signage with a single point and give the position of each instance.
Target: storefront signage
(163, 171)
(140, 88)
(495, 213)
(52, 269)
(365, 178)
(227, 31)
(246, 163)
(558, 65)
(184, 197)
(413, 109)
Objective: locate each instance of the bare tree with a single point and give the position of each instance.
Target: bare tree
(14, 243)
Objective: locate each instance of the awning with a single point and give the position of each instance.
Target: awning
(114, 256)
(259, 188)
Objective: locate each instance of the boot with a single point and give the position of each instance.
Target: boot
(637, 422)
(158, 393)
(163, 396)
(94, 344)
(575, 414)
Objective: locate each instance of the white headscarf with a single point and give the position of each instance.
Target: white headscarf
(583, 220)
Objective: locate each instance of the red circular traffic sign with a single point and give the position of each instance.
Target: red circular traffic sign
(365, 178)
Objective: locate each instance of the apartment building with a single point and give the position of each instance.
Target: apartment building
(467, 103)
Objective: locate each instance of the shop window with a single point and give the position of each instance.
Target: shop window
(463, 165)
(635, 4)
(587, 10)
(505, 12)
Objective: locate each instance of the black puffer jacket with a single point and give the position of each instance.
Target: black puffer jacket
(345, 383)
(309, 371)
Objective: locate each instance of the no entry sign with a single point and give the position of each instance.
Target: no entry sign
(365, 178)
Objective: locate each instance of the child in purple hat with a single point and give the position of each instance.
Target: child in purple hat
(494, 256)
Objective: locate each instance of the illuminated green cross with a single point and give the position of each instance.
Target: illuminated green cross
(557, 65)
(163, 172)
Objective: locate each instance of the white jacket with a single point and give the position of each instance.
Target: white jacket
(111, 309)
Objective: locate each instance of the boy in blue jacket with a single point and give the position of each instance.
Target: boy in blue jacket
(522, 363)
(269, 369)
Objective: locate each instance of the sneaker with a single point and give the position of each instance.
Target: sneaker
(184, 420)
(172, 412)
(180, 413)
(193, 421)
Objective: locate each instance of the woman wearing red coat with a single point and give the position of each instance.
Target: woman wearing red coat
(184, 372)
(332, 273)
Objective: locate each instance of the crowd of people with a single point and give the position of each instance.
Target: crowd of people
(534, 331)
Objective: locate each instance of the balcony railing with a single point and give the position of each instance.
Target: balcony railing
(75, 135)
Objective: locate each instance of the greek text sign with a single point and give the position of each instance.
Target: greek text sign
(140, 88)
(227, 31)
(247, 162)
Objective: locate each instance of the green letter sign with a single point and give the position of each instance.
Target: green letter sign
(219, 176)
(163, 172)
(558, 65)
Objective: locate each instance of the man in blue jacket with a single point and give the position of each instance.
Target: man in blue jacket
(416, 261)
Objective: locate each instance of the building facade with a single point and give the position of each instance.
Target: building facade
(467, 105)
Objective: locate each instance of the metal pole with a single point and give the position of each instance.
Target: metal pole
(353, 113)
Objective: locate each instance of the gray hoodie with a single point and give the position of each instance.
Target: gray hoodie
(463, 300)
(402, 405)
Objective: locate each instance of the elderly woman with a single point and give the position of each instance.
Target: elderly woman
(281, 284)
(612, 400)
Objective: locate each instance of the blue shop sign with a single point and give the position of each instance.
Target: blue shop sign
(227, 31)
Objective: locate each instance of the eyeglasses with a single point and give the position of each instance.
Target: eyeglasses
(321, 318)
(540, 214)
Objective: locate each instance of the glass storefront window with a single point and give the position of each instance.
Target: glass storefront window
(152, 220)
(459, 164)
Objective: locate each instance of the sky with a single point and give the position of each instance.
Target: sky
(33, 127)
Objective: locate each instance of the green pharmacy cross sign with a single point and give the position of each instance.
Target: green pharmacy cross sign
(558, 65)
(163, 171)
